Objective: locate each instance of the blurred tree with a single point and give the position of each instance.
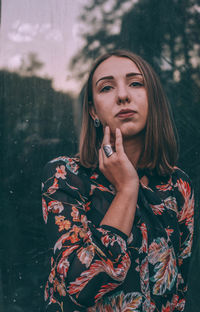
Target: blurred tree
(30, 65)
(101, 25)
(164, 32)
(36, 125)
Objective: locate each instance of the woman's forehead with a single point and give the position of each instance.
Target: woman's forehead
(115, 66)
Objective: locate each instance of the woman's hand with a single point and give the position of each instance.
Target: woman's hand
(117, 168)
(121, 173)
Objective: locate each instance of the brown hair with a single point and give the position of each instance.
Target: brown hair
(160, 147)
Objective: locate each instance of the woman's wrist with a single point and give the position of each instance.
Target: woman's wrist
(129, 189)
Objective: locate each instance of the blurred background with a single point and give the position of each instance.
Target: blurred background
(46, 49)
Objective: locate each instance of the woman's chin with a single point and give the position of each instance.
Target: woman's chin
(132, 133)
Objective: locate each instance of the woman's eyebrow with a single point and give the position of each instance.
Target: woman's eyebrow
(105, 78)
(133, 74)
(111, 77)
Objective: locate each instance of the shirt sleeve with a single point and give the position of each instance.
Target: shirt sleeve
(185, 199)
(87, 261)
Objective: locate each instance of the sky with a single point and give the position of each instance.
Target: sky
(49, 28)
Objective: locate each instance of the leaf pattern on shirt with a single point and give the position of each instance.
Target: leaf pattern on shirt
(187, 211)
(117, 273)
(158, 209)
(90, 262)
(186, 217)
(165, 267)
(120, 302)
(144, 275)
(143, 248)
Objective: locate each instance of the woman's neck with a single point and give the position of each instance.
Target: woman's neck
(133, 149)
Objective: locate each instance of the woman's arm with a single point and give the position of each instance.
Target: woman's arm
(87, 261)
(185, 199)
(121, 173)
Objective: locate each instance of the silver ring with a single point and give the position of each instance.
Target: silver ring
(108, 150)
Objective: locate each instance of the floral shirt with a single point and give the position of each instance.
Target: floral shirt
(98, 268)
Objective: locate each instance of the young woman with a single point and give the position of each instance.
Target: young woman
(119, 216)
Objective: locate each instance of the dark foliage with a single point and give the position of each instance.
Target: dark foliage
(36, 125)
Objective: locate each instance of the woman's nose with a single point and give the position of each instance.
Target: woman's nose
(122, 95)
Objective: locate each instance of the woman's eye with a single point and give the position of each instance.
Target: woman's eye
(106, 88)
(136, 84)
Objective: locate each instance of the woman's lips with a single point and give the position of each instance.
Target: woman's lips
(125, 114)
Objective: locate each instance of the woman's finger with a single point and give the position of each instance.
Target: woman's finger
(100, 158)
(106, 138)
(106, 141)
(119, 142)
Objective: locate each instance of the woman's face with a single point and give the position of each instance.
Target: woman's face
(119, 95)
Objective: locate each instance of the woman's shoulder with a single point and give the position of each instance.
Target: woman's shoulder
(180, 176)
(67, 174)
(183, 185)
(71, 164)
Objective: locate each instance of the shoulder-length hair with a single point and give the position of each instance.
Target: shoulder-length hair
(160, 147)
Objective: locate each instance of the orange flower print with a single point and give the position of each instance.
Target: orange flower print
(92, 188)
(86, 255)
(52, 189)
(52, 300)
(73, 237)
(61, 172)
(77, 232)
(52, 275)
(63, 266)
(44, 210)
(84, 222)
(75, 214)
(169, 232)
(62, 223)
(46, 292)
(60, 288)
(103, 188)
(87, 206)
(94, 176)
(165, 187)
(166, 308)
(55, 206)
